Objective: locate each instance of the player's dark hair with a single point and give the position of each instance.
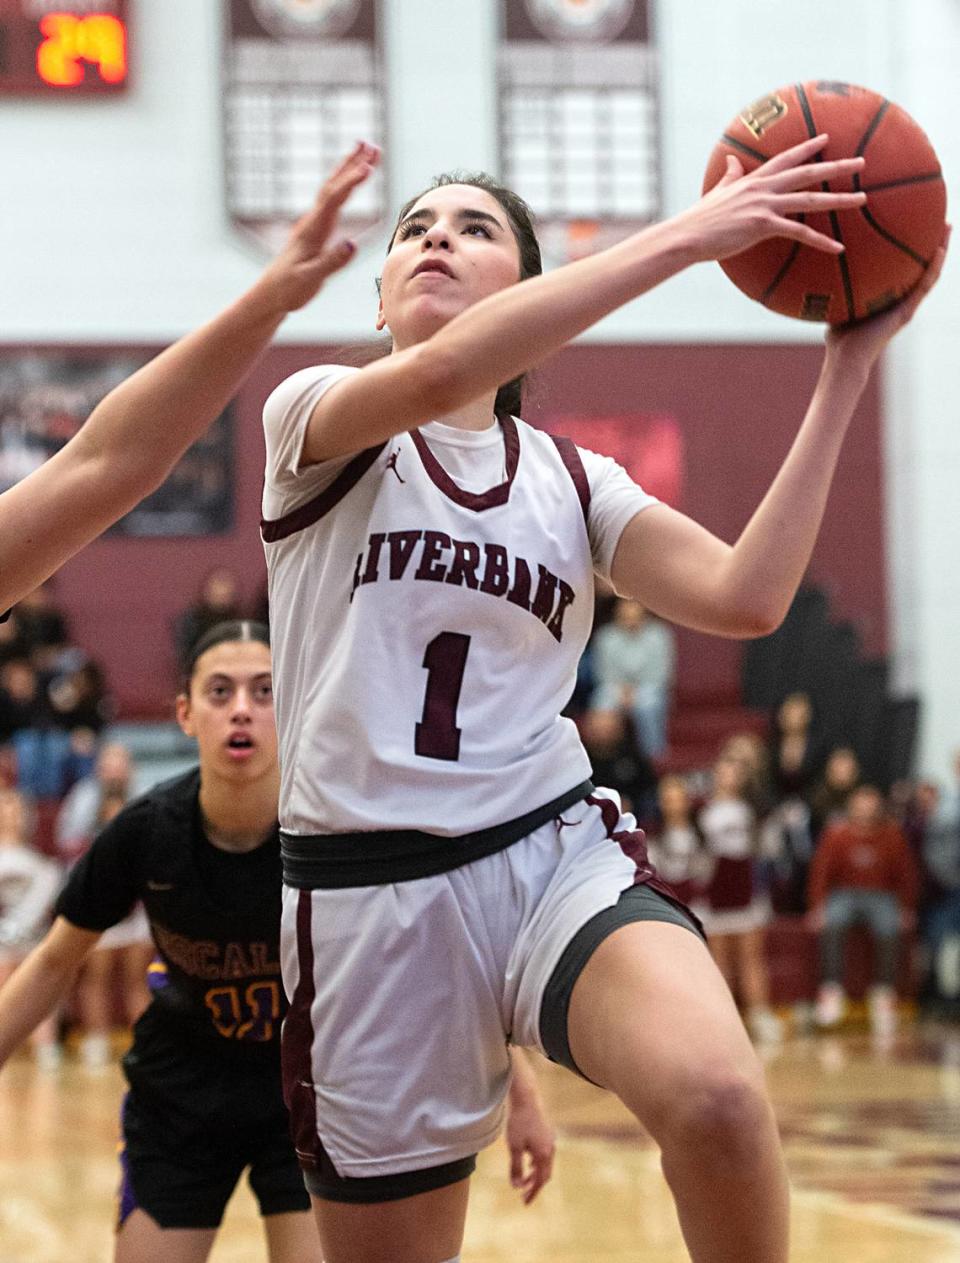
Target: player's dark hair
(510, 396)
(229, 632)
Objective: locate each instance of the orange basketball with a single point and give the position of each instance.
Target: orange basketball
(888, 241)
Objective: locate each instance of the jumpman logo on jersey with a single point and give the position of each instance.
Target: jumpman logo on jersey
(392, 464)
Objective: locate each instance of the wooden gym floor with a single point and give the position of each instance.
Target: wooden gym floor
(872, 1137)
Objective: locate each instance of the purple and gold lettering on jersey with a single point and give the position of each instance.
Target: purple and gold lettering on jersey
(214, 962)
(435, 557)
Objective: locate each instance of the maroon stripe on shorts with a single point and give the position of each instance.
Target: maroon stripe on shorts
(633, 843)
(320, 506)
(296, 1046)
(574, 466)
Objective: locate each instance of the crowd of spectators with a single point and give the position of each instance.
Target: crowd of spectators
(59, 784)
(783, 825)
(788, 827)
(53, 700)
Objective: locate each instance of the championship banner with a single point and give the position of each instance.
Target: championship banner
(579, 118)
(303, 81)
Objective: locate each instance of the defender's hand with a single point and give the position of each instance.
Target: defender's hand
(312, 252)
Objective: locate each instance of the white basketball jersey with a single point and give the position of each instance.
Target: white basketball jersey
(426, 637)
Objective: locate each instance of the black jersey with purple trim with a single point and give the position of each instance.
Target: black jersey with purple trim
(214, 916)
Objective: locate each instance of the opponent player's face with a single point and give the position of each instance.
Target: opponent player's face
(454, 247)
(229, 710)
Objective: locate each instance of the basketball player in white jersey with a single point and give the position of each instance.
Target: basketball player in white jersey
(132, 440)
(454, 883)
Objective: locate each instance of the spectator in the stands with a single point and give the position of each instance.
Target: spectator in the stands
(218, 601)
(796, 756)
(78, 697)
(29, 883)
(618, 761)
(676, 844)
(124, 951)
(13, 643)
(750, 751)
(633, 659)
(40, 749)
(828, 801)
(22, 702)
(737, 909)
(44, 626)
(862, 873)
(940, 915)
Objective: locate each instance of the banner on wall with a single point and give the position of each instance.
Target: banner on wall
(303, 81)
(578, 118)
(45, 399)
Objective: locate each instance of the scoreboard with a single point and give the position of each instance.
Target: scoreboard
(70, 48)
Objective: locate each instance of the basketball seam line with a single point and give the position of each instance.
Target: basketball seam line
(834, 220)
(784, 269)
(898, 183)
(894, 241)
(738, 144)
(871, 128)
(858, 185)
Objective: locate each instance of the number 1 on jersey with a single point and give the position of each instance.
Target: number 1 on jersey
(437, 734)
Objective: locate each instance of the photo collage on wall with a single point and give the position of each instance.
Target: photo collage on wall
(45, 397)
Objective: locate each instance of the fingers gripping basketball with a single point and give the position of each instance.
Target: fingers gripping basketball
(888, 242)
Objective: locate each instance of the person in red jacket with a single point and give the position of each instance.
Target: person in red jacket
(862, 871)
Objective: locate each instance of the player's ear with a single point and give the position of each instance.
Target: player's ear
(381, 318)
(184, 715)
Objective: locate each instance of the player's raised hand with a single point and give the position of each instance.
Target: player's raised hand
(314, 250)
(744, 209)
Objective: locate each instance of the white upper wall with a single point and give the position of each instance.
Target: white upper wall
(113, 216)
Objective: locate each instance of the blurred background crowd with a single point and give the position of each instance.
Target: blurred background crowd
(829, 894)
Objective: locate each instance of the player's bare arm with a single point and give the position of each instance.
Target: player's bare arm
(684, 573)
(42, 980)
(137, 433)
(515, 329)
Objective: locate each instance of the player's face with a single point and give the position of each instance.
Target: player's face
(229, 710)
(454, 247)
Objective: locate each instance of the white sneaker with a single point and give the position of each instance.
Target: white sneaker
(765, 1026)
(95, 1051)
(831, 1005)
(882, 1004)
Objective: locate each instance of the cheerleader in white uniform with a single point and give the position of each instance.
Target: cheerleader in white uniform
(736, 908)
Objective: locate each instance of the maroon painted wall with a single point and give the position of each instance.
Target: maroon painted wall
(737, 406)
(738, 409)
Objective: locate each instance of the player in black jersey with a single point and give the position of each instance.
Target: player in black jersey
(205, 1099)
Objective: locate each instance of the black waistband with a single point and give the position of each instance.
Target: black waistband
(330, 861)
